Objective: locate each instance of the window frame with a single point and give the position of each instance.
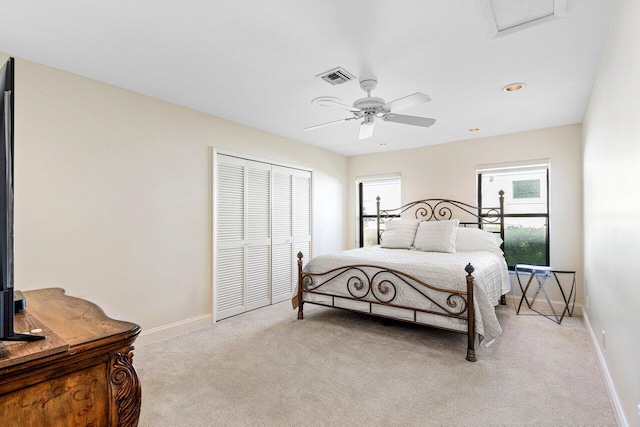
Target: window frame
(522, 215)
(361, 216)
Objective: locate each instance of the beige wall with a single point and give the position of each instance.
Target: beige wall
(449, 171)
(611, 140)
(113, 194)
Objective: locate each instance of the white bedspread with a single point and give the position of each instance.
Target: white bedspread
(442, 270)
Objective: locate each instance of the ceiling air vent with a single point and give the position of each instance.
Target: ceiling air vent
(336, 76)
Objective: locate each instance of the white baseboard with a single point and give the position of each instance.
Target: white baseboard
(541, 304)
(173, 329)
(611, 389)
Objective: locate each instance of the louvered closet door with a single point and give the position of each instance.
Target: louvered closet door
(258, 255)
(263, 215)
(243, 273)
(282, 233)
(230, 257)
(301, 217)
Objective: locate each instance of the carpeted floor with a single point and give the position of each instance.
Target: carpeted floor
(336, 368)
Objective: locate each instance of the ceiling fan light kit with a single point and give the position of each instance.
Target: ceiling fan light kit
(370, 107)
(325, 101)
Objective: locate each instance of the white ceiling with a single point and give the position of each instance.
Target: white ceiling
(254, 62)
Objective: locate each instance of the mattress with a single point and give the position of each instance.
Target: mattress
(441, 270)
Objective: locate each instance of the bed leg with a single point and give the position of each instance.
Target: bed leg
(471, 355)
(300, 302)
(471, 323)
(503, 300)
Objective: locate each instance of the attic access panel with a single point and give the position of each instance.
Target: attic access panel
(503, 17)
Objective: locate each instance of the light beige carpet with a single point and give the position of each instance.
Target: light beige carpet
(337, 368)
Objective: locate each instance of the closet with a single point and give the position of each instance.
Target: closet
(262, 219)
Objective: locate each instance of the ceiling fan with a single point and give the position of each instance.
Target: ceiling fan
(370, 107)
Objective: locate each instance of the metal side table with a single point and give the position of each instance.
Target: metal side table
(544, 272)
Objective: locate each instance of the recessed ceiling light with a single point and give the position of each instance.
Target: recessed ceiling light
(474, 129)
(513, 87)
(382, 144)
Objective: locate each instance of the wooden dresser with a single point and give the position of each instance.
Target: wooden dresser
(81, 375)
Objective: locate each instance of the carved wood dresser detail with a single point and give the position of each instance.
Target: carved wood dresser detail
(81, 375)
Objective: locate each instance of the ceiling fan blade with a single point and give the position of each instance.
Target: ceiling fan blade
(406, 102)
(366, 131)
(409, 120)
(330, 123)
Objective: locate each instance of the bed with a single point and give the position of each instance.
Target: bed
(415, 283)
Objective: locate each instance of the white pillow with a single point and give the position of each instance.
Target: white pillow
(475, 239)
(399, 234)
(437, 236)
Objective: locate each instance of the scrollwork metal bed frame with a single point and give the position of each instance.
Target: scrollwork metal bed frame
(383, 283)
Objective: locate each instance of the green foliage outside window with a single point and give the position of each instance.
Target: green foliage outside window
(370, 238)
(526, 245)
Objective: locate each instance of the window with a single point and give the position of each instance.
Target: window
(526, 208)
(388, 189)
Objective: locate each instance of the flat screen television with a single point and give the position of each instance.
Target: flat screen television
(7, 307)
